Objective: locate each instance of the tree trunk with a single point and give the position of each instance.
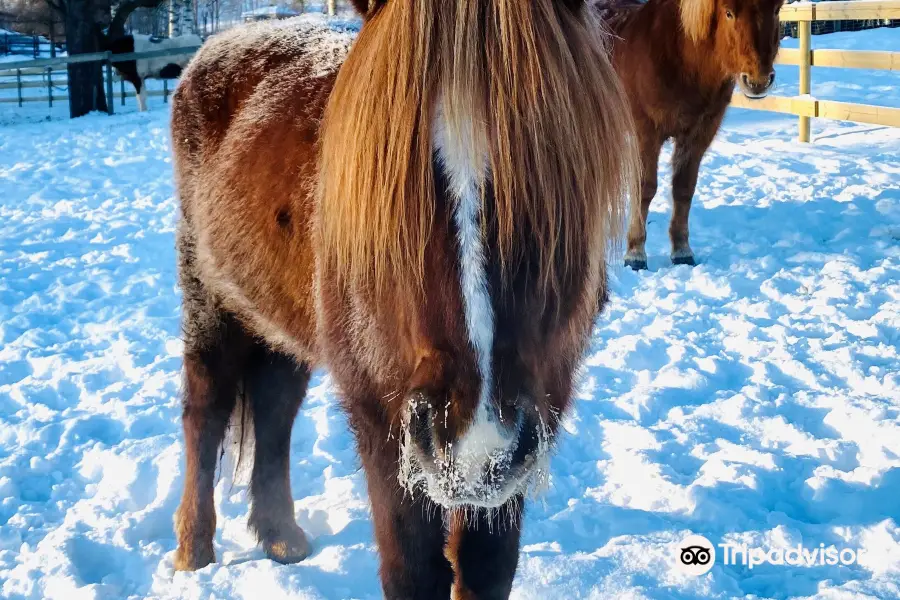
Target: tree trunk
(86, 92)
(176, 11)
(187, 18)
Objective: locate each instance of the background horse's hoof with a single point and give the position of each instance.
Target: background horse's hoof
(636, 258)
(684, 260)
(186, 560)
(638, 264)
(288, 549)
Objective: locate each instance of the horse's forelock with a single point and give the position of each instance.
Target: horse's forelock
(696, 17)
(537, 77)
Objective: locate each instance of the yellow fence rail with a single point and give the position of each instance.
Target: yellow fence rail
(806, 107)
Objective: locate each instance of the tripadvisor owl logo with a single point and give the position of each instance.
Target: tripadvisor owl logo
(694, 555)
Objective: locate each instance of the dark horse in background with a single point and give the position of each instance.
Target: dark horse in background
(136, 72)
(426, 214)
(679, 61)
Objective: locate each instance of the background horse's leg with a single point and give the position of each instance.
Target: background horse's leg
(688, 153)
(484, 550)
(211, 381)
(636, 255)
(141, 89)
(276, 386)
(409, 529)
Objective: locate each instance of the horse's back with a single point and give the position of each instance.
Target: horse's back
(245, 124)
(237, 72)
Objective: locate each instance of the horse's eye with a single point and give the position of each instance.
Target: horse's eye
(729, 14)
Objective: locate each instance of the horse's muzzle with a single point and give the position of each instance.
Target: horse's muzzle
(756, 88)
(488, 465)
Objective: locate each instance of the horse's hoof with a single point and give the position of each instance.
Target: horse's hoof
(288, 549)
(684, 260)
(683, 255)
(186, 560)
(636, 258)
(636, 264)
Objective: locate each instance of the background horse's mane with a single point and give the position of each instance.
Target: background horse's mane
(696, 18)
(696, 15)
(532, 75)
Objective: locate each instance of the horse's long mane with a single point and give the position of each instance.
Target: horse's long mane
(533, 75)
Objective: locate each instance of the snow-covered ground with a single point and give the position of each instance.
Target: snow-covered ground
(752, 399)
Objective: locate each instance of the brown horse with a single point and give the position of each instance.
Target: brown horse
(679, 60)
(427, 216)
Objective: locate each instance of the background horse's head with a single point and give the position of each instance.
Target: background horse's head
(744, 35)
(476, 155)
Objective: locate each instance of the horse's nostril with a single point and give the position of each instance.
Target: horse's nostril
(420, 427)
(771, 77)
(745, 79)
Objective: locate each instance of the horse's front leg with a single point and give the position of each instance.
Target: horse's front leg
(484, 550)
(409, 529)
(650, 146)
(688, 153)
(209, 397)
(276, 385)
(686, 165)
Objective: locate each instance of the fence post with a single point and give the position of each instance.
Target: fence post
(805, 30)
(332, 8)
(110, 99)
(50, 86)
(122, 89)
(19, 85)
(166, 90)
(37, 47)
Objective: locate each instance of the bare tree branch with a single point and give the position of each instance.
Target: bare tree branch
(123, 11)
(59, 6)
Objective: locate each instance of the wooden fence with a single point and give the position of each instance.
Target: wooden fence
(20, 76)
(35, 45)
(804, 105)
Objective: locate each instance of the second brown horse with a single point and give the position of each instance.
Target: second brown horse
(679, 61)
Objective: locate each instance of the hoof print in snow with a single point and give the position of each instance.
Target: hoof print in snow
(288, 550)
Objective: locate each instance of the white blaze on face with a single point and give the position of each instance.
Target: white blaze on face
(486, 443)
